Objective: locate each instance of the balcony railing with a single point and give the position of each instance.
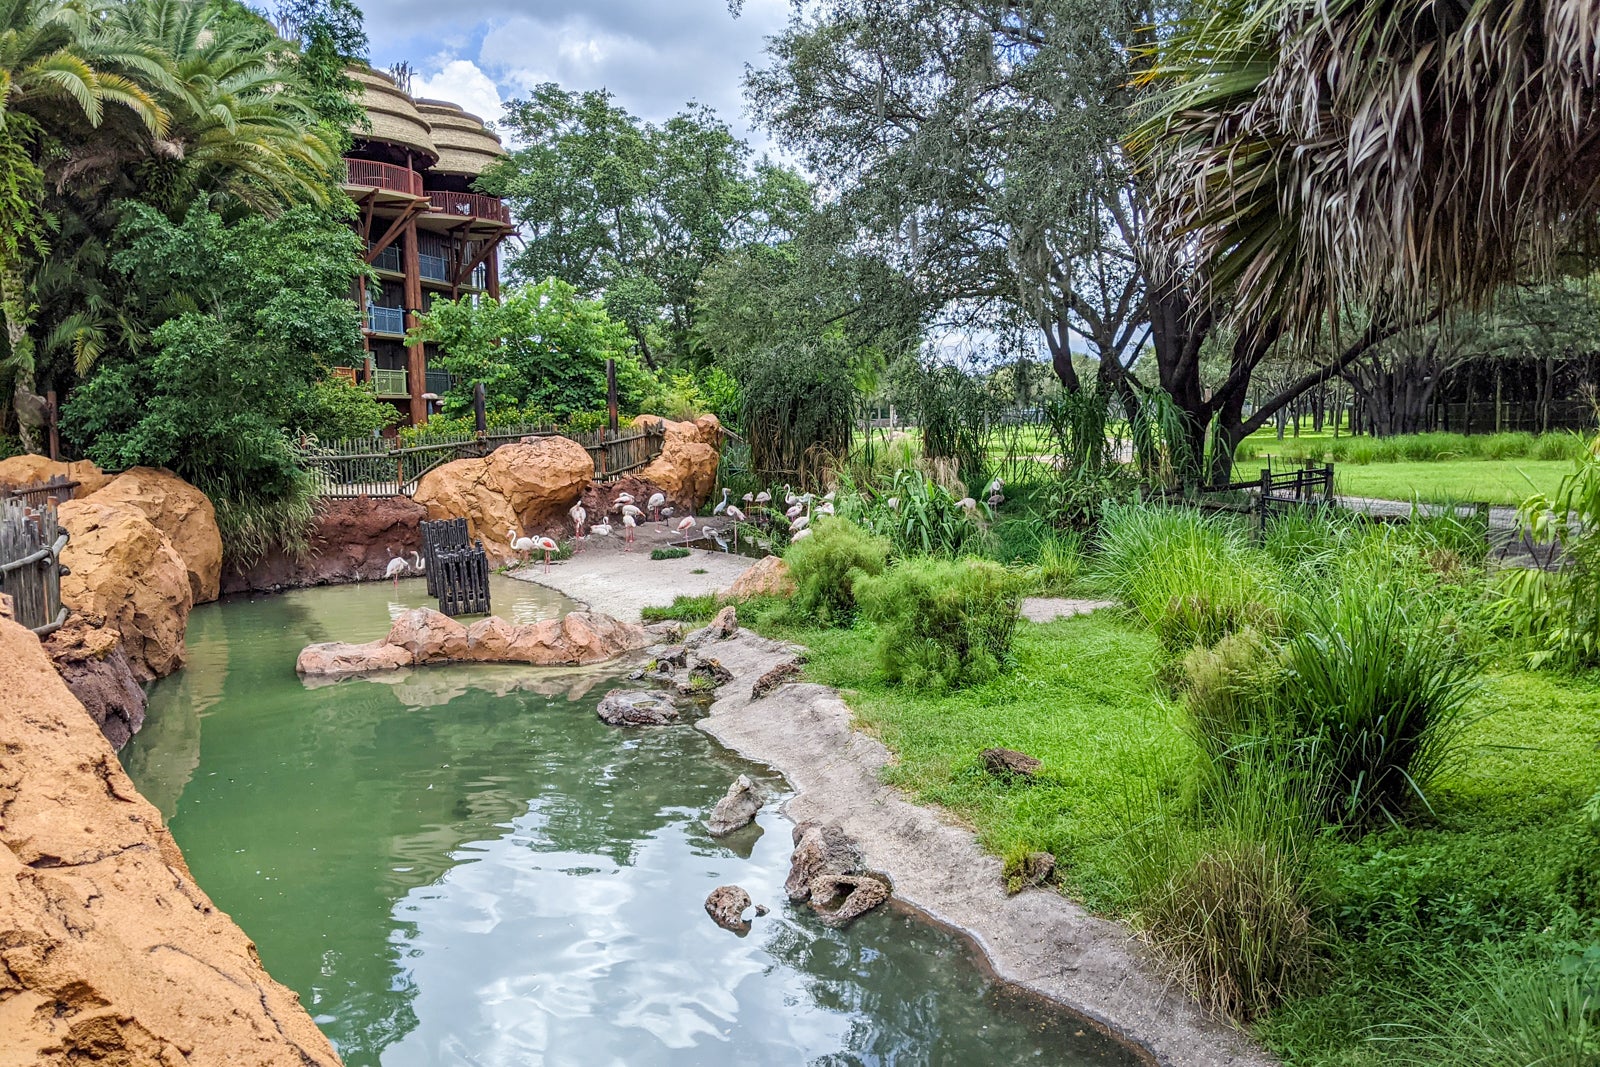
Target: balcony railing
(389, 259)
(439, 381)
(470, 205)
(389, 382)
(364, 172)
(386, 320)
(433, 268)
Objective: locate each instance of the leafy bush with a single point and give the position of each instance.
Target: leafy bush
(942, 625)
(335, 409)
(829, 565)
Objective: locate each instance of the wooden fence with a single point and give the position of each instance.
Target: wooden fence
(30, 564)
(381, 467)
(440, 535)
(463, 580)
(57, 490)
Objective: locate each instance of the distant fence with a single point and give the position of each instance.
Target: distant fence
(31, 541)
(382, 467)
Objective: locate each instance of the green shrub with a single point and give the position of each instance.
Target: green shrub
(919, 516)
(827, 567)
(1228, 689)
(942, 625)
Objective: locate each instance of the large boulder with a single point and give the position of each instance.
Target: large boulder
(111, 953)
(529, 486)
(19, 472)
(180, 511)
(422, 636)
(637, 707)
(93, 663)
(767, 576)
(352, 539)
(126, 576)
(686, 469)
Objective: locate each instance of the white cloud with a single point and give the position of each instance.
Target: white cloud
(460, 81)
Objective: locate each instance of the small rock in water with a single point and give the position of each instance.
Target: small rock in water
(818, 850)
(782, 674)
(726, 905)
(1008, 763)
(636, 707)
(736, 808)
(724, 625)
(672, 657)
(840, 899)
(710, 670)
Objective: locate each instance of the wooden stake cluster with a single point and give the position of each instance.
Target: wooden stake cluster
(463, 580)
(439, 534)
(30, 564)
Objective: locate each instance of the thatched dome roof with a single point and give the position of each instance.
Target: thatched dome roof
(465, 146)
(394, 118)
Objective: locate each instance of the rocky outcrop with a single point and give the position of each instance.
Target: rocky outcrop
(423, 636)
(736, 809)
(768, 576)
(110, 952)
(825, 871)
(180, 511)
(529, 486)
(841, 899)
(726, 905)
(637, 707)
(722, 626)
(709, 673)
(780, 675)
(352, 539)
(91, 660)
(686, 469)
(19, 472)
(126, 576)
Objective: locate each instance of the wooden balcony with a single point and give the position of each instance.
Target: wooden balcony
(364, 173)
(470, 205)
(389, 383)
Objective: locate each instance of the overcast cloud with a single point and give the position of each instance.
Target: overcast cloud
(653, 55)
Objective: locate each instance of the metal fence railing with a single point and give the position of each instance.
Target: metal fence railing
(31, 541)
(386, 320)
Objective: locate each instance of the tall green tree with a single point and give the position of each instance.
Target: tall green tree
(635, 212)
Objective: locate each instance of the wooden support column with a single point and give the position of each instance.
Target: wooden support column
(492, 282)
(416, 355)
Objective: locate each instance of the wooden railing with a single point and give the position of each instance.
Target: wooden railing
(31, 541)
(390, 382)
(379, 467)
(371, 175)
(469, 205)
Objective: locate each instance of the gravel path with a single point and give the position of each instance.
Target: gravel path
(1051, 608)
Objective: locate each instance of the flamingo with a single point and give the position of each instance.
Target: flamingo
(800, 535)
(763, 498)
(715, 535)
(720, 508)
(624, 498)
(967, 504)
(738, 517)
(749, 498)
(826, 508)
(656, 500)
(789, 497)
(579, 517)
(523, 545)
(546, 545)
(629, 521)
(893, 503)
(686, 524)
(667, 513)
(828, 499)
(603, 527)
(398, 566)
(800, 524)
(794, 512)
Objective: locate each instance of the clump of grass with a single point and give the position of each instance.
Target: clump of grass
(829, 565)
(668, 553)
(699, 608)
(1418, 447)
(942, 625)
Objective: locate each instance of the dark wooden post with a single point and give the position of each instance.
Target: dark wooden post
(52, 410)
(480, 413)
(416, 355)
(611, 394)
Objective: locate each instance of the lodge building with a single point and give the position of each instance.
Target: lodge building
(428, 236)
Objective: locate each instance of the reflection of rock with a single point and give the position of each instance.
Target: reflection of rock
(710, 672)
(92, 662)
(818, 850)
(784, 673)
(840, 899)
(1009, 763)
(686, 469)
(736, 808)
(180, 511)
(636, 707)
(726, 905)
(112, 953)
(20, 472)
(421, 636)
(768, 576)
(352, 539)
(126, 575)
(529, 485)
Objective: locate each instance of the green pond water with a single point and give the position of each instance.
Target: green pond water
(463, 865)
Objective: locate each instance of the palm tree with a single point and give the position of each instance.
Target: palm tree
(1405, 156)
(61, 66)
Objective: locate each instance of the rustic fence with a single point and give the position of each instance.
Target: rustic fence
(30, 564)
(463, 580)
(382, 467)
(440, 535)
(57, 490)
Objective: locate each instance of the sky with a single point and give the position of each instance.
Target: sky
(653, 55)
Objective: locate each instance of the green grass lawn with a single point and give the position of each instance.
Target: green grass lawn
(1505, 481)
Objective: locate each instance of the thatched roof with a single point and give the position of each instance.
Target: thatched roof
(394, 118)
(465, 146)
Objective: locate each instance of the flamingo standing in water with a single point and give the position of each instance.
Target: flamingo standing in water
(546, 545)
(715, 535)
(737, 516)
(720, 508)
(686, 524)
(398, 566)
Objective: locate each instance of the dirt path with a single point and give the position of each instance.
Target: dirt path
(1038, 938)
(607, 578)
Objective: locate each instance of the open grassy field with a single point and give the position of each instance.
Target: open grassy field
(1505, 481)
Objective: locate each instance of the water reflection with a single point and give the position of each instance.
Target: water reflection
(463, 865)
